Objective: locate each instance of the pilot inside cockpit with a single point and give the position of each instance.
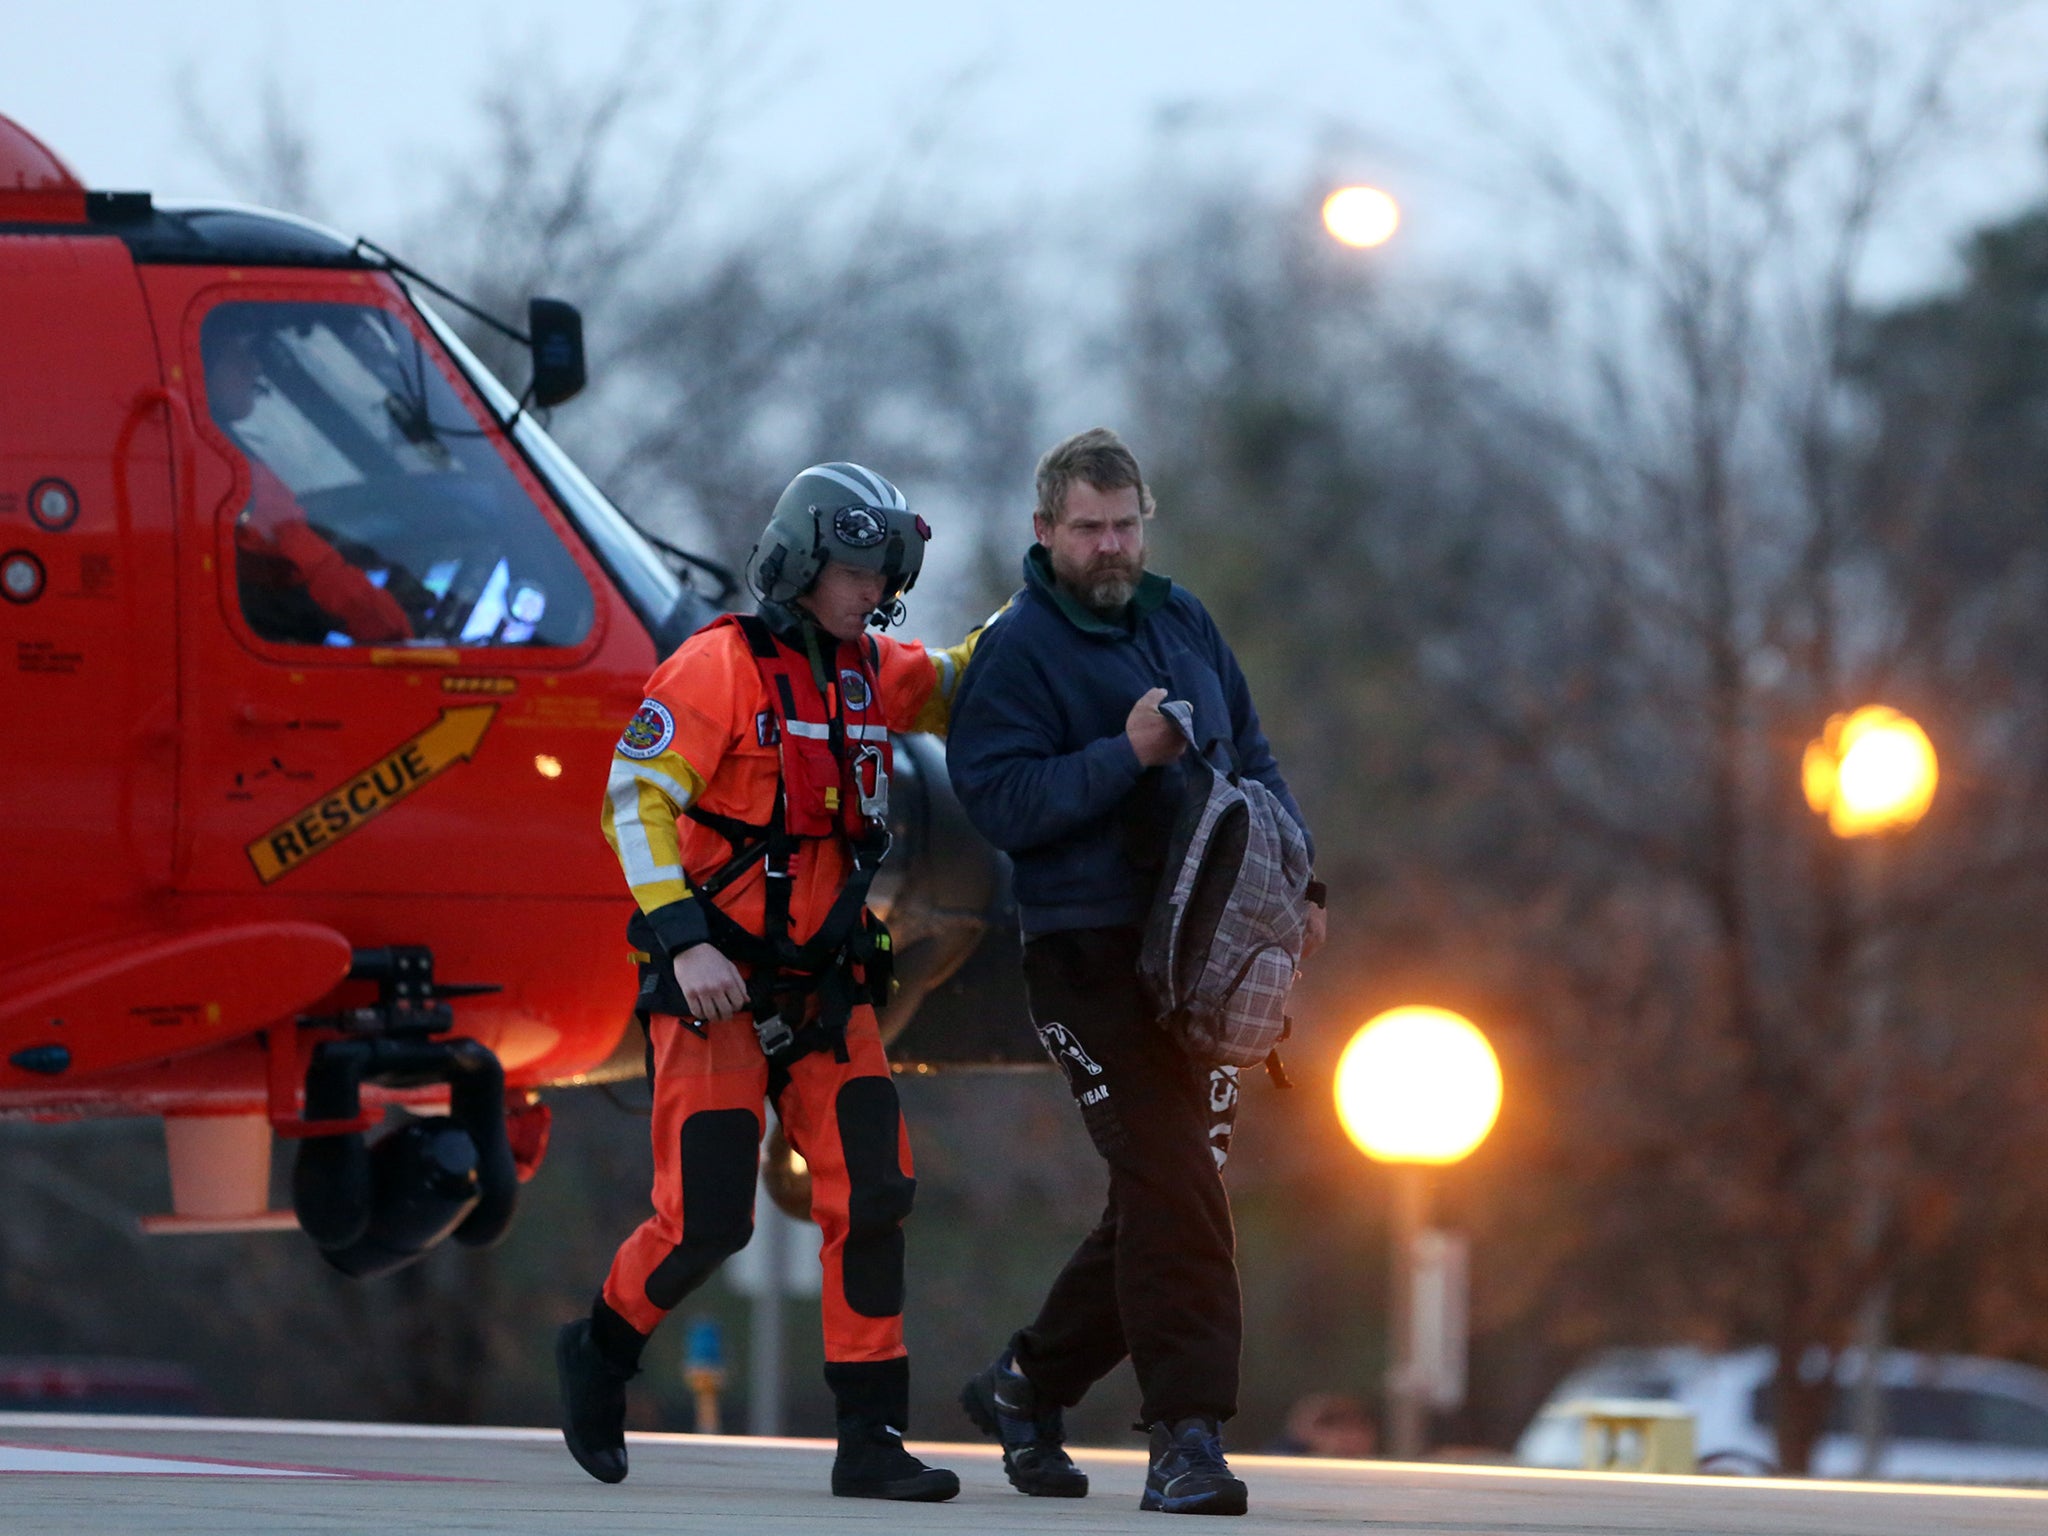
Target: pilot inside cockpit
(385, 506)
(295, 585)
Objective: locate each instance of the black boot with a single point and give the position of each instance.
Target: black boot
(595, 1357)
(1002, 1402)
(874, 1403)
(1188, 1475)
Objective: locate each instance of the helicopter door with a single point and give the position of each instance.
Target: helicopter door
(378, 579)
(86, 679)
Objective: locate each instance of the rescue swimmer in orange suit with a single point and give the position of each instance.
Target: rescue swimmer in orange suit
(278, 552)
(748, 807)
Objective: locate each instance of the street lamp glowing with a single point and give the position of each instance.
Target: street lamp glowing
(1418, 1085)
(1871, 771)
(1361, 216)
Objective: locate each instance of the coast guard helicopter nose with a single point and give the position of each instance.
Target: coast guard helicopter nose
(316, 648)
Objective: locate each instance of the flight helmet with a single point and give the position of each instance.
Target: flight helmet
(840, 512)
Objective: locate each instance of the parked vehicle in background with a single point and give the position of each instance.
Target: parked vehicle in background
(1948, 1418)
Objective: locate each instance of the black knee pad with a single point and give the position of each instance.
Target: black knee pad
(721, 1150)
(879, 1196)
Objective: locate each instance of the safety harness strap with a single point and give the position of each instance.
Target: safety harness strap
(782, 974)
(760, 638)
(749, 843)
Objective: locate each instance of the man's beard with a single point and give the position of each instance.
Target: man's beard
(1105, 585)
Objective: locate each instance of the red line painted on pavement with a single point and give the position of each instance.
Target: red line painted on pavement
(249, 1468)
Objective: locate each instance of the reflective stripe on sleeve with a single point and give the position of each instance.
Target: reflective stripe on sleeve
(947, 667)
(642, 802)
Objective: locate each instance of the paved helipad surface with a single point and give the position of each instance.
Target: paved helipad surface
(63, 1473)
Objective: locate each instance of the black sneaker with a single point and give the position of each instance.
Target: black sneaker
(1188, 1475)
(872, 1464)
(1002, 1404)
(593, 1403)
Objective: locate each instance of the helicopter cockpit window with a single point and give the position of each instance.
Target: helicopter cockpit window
(381, 512)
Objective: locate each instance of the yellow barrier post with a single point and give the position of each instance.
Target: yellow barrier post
(1660, 1433)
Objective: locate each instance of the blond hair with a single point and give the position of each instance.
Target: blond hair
(1097, 456)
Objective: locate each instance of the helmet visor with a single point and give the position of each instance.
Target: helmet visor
(872, 538)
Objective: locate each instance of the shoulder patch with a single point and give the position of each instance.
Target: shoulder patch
(649, 732)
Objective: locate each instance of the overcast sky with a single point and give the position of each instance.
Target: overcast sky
(1034, 97)
(1059, 108)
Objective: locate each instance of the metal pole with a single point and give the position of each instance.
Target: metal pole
(1407, 1414)
(1873, 1002)
(1873, 1330)
(764, 1346)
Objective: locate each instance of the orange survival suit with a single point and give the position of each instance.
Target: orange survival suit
(742, 798)
(279, 553)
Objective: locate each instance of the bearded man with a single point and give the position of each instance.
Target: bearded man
(1061, 758)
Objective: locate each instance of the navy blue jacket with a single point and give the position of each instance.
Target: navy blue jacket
(1037, 752)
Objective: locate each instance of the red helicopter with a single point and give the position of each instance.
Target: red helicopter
(316, 649)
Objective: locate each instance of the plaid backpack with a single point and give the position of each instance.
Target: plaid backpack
(1227, 924)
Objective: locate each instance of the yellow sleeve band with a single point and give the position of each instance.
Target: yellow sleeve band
(641, 805)
(951, 666)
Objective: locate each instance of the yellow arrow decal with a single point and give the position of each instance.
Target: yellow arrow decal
(449, 740)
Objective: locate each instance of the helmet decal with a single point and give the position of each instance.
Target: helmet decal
(864, 483)
(859, 527)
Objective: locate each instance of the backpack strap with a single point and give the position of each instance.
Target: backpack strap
(1219, 754)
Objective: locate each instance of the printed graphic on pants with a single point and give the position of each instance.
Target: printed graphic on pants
(1222, 1112)
(1068, 1055)
(1087, 1083)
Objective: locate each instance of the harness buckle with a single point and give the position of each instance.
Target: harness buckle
(773, 1032)
(871, 783)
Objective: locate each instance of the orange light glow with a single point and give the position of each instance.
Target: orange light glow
(1871, 771)
(1418, 1085)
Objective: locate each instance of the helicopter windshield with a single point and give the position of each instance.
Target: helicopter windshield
(381, 511)
(670, 609)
